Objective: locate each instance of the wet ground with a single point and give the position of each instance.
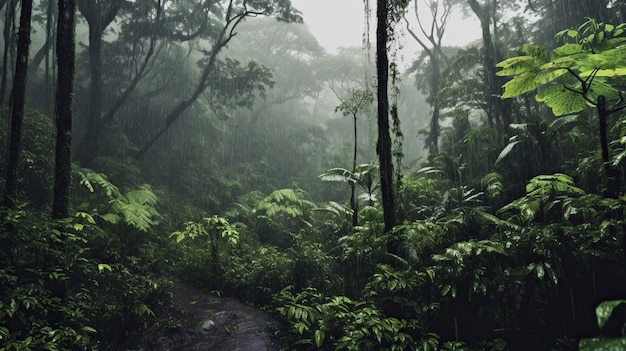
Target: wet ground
(214, 323)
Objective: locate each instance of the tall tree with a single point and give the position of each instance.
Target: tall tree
(99, 15)
(65, 88)
(430, 41)
(498, 110)
(18, 95)
(384, 139)
(9, 19)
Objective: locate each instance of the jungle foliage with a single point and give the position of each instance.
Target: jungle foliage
(216, 152)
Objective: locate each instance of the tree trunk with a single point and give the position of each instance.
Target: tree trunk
(65, 87)
(8, 24)
(384, 140)
(612, 175)
(353, 201)
(17, 104)
(98, 15)
(435, 129)
(90, 144)
(498, 110)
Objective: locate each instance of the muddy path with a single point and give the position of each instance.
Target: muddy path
(209, 322)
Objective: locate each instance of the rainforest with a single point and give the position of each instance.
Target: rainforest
(206, 175)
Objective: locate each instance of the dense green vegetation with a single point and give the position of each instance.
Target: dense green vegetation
(223, 148)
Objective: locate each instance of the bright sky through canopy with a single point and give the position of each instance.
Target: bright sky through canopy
(337, 23)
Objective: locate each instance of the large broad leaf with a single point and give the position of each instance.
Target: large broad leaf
(600, 87)
(563, 121)
(507, 150)
(605, 310)
(336, 175)
(552, 183)
(529, 81)
(519, 85)
(561, 100)
(610, 72)
(516, 65)
(546, 76)
(567, 50)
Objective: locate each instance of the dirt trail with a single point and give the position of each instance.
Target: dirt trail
(212, 323)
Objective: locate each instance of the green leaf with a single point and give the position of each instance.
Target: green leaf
(516, 65)
(319, 337)
(89, 329)
(519, 85)
(507, 150)
(561, 100)
(563, 121)
(567, 50)
(610, 72)
(605, 310)
(602, 344)
(103, 266)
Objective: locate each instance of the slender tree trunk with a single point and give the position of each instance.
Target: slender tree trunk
(91, 142)
(435, 129)
(353, 201)
(8, 24)
(17, 104)
(49, 38)
(612, 175)
(498, 110)
(65, 87)
(384, 139)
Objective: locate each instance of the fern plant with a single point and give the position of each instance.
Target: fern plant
(135, 208)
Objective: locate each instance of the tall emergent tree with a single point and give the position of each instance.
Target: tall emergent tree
(384, 139)
(17, 104)
(65, 87)
(430, 42)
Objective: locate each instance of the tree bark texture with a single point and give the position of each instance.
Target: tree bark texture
(384, 139)
(17, 104)
(65, 88)
(8, 25)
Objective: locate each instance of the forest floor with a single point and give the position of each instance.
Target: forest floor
(208, 322)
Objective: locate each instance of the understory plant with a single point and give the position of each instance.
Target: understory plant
(66, 287)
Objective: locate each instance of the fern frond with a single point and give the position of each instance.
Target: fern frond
(136, 207)
(92, 180)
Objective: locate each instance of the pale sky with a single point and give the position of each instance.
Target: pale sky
(337, 23)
